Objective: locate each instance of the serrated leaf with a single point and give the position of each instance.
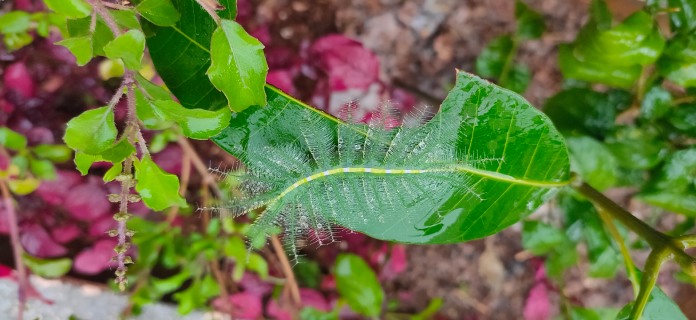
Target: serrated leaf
(464, 198)
(358, 285)
(129, 47)
(91, 132)
(181, 54)
(115, 154)
(113, 172)
(530, 24)
(158, 189)
(238, 66)
(80, 47)
(70, 8)
(159, 12)
(47, 268)
(14, 22)
(55, 152)
(12, 140)
(126, 18)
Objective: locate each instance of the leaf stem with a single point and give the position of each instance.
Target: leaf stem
(17, 250)
(628, 261)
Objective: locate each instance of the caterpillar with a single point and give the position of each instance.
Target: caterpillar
(432, 182)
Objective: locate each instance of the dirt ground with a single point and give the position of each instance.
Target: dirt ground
(420, 43)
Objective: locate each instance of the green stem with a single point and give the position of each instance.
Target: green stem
(628, 261)
(647, 283)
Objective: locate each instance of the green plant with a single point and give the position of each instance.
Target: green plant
(485, 161)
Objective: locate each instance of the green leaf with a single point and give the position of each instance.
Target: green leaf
(164, 286)
(674, 185)
(70, 8)
(636, 147)
(196, 123)
(659, 307)
(684, 119)
(14, 22)
(494, 159)
(678, 63)
(656, 103)
(15, 41)
(594, 161)
(116, 154)
(47, 268)
(100, 37)
(23, 187)
(12, 140)
(517, 79)
(530, 24)
(613, 56)
(126, 18)
(158, 189)
(181, 54)
(91, 132)
(600, 14)
(587, 112)
(238, 66)
(309, 313)
(42, 169)
(80, 47)
(113, 172)
(541, 238)
(129, 47)
(491, 62)
(159, 12)
(358, 285)
(684, 19)
(55, 152)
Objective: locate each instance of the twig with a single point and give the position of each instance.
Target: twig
(292, 284)
(16, 249)
(103, 12)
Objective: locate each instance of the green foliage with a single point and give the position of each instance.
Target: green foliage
(80, 47)
(47, 268)
(496, 61)
(659, 307)
(70, 8)
(159, 12)
(12, 140)
(237, 66)
(674, 185)
(129, 47)
(158, 189)
(358, 285)
(679, 60)
(92, 132)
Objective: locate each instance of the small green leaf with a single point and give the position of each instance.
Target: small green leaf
(684, 119)
(14, 22)
(674, 186)
(637, 147)
(238, 66)
(84, 161)
(15, 41)
(656, 103)
(158, 189)
(530, 24)
(12, 140)
(92, 132)
(585, 111)
(540, 238)
(55, 152)
(159, 12)
(113, 172)
(309, 313)
(47, 268)
(129, 47)
(167, 285)
(259, 265)
(594, 71)
(126, 18)
(659, 307)
(517, 78)
(80, 47)
(684, 19)
(593, 160)
(42, 169)
(491, 61)
(70, 8)
(600, 14)
(357, 283)
(195, 123)
(100, 37)
(23, 187)
(678, 63)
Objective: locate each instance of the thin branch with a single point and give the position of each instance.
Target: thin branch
(287, 270)
(17, 249)
(103, 12)
(628, 261)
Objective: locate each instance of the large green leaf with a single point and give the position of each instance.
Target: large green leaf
(487, 160)
(181, 53)
(158, 189)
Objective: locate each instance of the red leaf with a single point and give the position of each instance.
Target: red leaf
(169, 159)
(38, 243)
(347, 64)
(245, 305)
(88, 201)
(95, 259)
(66, 233)
(54, 192)
(17, 78)
(309, 297)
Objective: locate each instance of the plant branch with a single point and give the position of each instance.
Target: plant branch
(17, 249)
(294, 289)
(628, 261)
(103, 12)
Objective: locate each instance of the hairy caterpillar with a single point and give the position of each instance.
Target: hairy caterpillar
(421, 184)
